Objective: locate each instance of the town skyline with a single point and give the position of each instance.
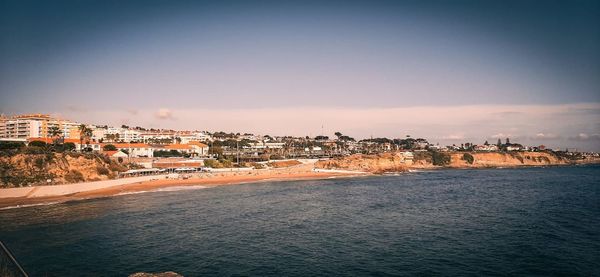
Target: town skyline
(449, 72)
(549, 140)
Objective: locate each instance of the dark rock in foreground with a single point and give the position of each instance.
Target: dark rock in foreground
(164, 274)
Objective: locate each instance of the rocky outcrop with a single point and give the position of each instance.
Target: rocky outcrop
(379, 163)
(60, 168)
(509, 159)
(164, 274)
(397, 162)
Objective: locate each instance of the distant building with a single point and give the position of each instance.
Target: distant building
(136, 149)
(514, 148)
(490, 147)
(115, 154)
(36, 126)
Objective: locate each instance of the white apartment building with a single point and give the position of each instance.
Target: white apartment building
(20, 128)
(125, 135)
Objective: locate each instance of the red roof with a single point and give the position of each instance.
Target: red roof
(178, 146)
(109, 153)
(130, 145)
(197, 143)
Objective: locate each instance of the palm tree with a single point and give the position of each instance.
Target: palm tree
(54, 133)
(84, 133)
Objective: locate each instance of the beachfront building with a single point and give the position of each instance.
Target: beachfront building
(134, 150)
(193, 149)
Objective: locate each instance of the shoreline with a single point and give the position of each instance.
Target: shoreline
(156, 185)
(224, 179)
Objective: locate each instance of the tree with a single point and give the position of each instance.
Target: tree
(486, 143)
(85, 133)
(54, 131)
(499, 143)
(507, 141)
(69, 146)
(109, 147)
(37, 143)
(338, 134)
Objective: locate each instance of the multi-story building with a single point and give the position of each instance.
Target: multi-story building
(36, 126)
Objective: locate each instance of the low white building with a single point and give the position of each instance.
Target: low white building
(136, 149)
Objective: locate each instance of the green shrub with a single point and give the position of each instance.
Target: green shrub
(74, 176)
(212, 163)
(440, 159)
(109, 147)
(468, 157)
(116, 167)
(422, 156)
(40, 162)
(9, 145)
(34, 150)
(68, 146)
(226, 163)
(102, 170)
(38, 143)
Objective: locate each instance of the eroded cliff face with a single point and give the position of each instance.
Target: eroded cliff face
(379, 163)
(510, 159)
(59, 168)
(396, 162)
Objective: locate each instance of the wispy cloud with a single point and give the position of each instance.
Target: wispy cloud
(545, 136)
(454, 137)
(585, 137)
(164, 114)
(503, 135)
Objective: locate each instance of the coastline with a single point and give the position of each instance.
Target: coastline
(89, 190)
(159, 183)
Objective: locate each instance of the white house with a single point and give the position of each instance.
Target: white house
(136, 149)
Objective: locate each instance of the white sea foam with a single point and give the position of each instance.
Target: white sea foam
(178, 188)
(29, 205)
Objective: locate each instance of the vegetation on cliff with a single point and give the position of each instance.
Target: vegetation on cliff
(394, 162)
(43, 164)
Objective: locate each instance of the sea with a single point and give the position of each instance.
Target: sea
(483, 222)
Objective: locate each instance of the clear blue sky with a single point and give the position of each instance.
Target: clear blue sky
(123, 61)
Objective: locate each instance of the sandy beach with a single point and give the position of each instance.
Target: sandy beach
(302, 172)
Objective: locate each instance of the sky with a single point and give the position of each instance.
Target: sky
(450, 71)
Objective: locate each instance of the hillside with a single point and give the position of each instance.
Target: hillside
(379, 163)
(60, 168)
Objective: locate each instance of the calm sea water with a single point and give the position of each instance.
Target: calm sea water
(531, 221)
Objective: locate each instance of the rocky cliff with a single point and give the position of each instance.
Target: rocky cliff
(379, 163)
(397, 162)
(60, 168)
